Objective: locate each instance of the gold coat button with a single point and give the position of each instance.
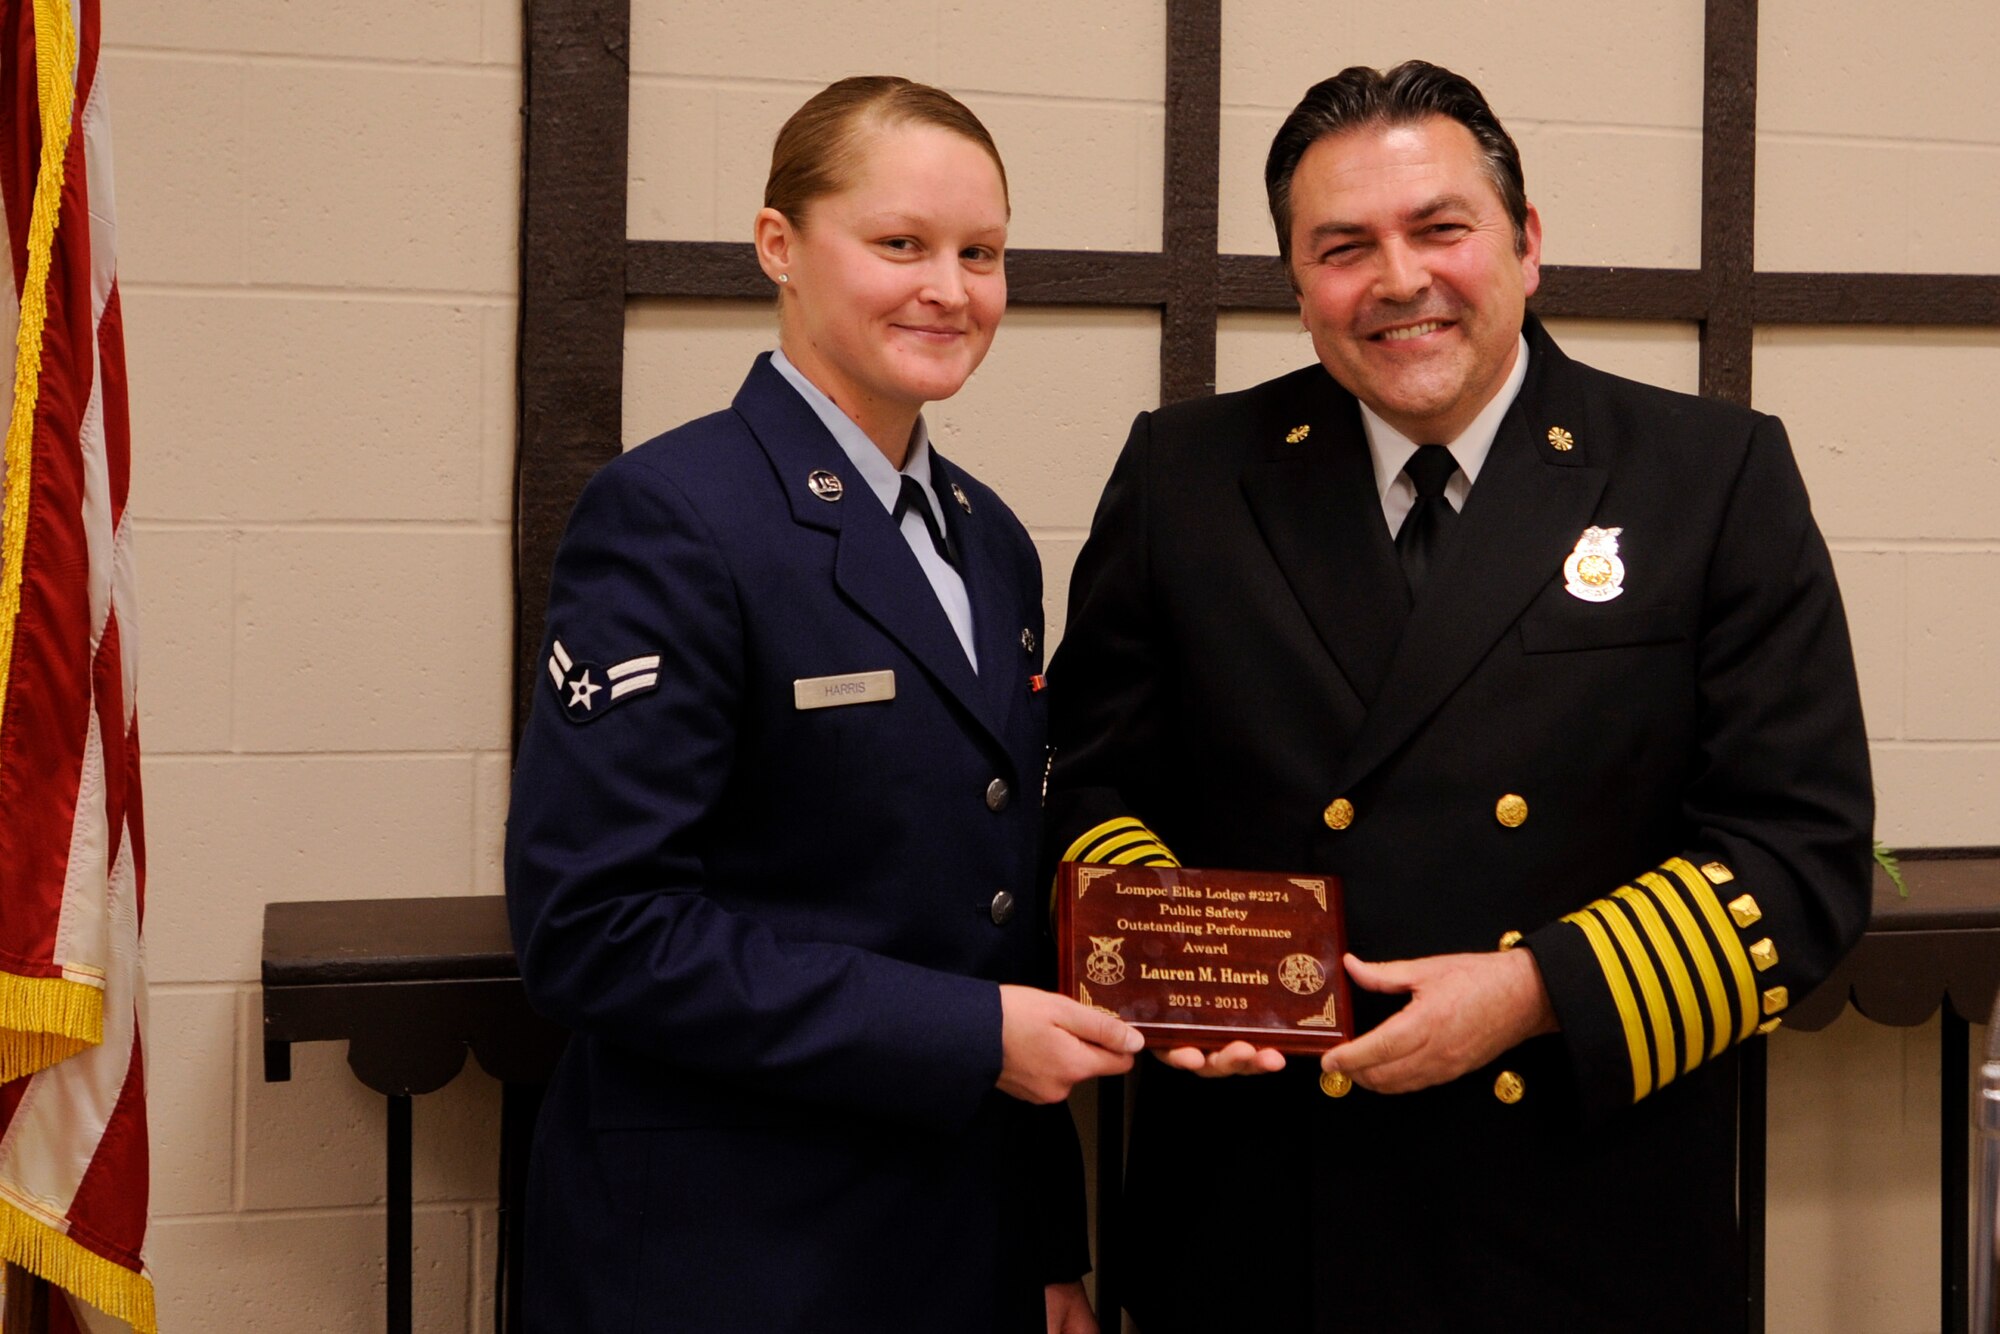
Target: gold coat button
(1743, 910)
(1509, 1088)
(1511, 810)
(1339, 813)
(1764, 954)
(1334, 1084)
(1769, 1025)
(1717, 873)
(1509, 939)
(1776, 999)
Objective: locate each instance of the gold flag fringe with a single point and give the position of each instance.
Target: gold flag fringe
(44, 1020)
(55, 75)
(49, 1255)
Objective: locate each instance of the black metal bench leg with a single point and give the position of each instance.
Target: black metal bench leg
(1954, 1167)
(399, 1229)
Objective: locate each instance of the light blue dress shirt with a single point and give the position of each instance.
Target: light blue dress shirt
(887, 484)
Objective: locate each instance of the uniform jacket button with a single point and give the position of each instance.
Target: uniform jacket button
(1335, 1083)
(1509, 1088)
(997, 793)
(1339, 813)
(1002, 908)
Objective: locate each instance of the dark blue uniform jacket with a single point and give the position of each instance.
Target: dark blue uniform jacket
(776, 930)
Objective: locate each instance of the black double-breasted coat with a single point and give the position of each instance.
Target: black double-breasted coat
(1665, 791)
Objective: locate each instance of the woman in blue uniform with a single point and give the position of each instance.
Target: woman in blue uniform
(772, 844)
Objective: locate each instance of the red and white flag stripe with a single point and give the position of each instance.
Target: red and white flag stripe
(73, 1145)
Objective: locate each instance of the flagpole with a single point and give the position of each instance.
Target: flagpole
(27, 1308)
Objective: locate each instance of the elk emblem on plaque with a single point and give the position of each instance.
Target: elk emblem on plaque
(1301, 973)
(1105, 966)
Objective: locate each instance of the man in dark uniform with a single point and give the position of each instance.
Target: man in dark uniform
(1550, 667)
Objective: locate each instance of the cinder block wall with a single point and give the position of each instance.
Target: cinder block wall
(318, 209)
(1878, 153)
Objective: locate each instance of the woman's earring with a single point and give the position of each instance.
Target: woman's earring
(784, 277)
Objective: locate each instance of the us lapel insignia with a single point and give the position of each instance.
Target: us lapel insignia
(1298, 433)
(1593, 571)
(578, 685)
(824, 485)
(1560, 440)
(958, 494)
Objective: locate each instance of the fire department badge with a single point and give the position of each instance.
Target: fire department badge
(1593, 571)
(1105, 966)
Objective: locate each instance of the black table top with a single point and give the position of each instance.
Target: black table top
(387, 940)
(1951, 889)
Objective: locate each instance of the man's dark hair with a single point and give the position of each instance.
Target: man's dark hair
(1415, 90)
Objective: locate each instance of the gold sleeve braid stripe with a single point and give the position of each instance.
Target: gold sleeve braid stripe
(1678, 978)
(1625, 960)
(1732, 948)
(1621, 996)
(1649, 985)
(1108, 848)
(1121, 841)
(1701, 952)
(1087, 842)
(1146, 854)
(1129, 848)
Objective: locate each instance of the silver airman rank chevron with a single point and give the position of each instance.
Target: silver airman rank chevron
(578, 684)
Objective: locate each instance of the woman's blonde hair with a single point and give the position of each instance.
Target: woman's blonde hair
(818, 149)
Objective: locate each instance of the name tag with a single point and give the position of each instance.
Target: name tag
(827, 692)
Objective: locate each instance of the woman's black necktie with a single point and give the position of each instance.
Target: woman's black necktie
(912, 497)
(1430, 519)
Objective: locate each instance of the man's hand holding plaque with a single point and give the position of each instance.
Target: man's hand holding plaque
(1221, 970)
(1464, 1011)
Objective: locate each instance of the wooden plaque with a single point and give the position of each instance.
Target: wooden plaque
(1203, 958)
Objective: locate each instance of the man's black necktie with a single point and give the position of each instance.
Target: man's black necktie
(912, 497)
(1430, 519)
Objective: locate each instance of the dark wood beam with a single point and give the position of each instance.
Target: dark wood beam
(572, 329)
(1087, 278)
(728, 270)
(1188, 218)
(1878, 298)
(1622, 293)
(1252, 282)
(718, 270)
(1728, 195)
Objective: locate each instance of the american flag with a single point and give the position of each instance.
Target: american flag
(73, 1151)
